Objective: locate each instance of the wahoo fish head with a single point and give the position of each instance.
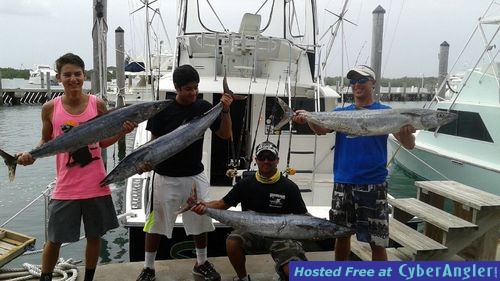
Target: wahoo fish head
(437, 118)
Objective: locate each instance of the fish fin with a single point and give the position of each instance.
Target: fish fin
(11, 163)
(287, 114)
(190, 202)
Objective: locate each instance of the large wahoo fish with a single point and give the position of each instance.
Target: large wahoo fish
(92, 131)
(366, 122)
(162, 148)
(282, 226)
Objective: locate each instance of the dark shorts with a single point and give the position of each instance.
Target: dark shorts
(363, 207)
(282, 251)
(65, 217)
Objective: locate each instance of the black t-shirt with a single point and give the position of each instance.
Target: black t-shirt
(281, 197)
(188, 161)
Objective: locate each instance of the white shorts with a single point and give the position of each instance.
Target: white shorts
(170, 193)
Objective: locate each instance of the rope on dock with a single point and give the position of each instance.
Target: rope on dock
(65, 270)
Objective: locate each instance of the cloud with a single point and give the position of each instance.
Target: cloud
(25, 8)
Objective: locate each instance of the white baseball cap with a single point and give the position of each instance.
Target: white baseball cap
(362, 70)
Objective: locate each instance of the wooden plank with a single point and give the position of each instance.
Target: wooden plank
(363, 251)
(13, 242)
(6, 245)
(360, 249)
(461, 193)
(17, 236)
(432, 215)
(12, 245)
(420, 245)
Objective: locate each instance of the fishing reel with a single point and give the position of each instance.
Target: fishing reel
(290, 171)
(232, 170)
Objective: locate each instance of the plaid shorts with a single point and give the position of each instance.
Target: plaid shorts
(282, 251)
(363, 207)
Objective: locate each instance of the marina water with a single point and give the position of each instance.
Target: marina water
(20, 130)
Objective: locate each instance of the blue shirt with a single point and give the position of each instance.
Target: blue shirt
(360, 160)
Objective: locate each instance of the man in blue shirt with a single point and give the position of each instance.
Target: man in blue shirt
(359, 197)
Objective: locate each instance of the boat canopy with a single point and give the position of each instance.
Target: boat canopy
(293, 20)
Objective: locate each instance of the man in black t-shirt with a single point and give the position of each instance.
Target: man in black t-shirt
(175, 176)
(266, 192)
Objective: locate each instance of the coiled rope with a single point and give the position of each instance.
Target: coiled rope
(65, 270)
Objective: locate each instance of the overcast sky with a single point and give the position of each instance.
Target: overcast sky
(39, 31)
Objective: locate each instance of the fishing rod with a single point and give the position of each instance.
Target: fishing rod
(246, 118)
(258, 123)
(289, 152)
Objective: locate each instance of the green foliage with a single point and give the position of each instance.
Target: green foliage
(429, 82)
(10, 73)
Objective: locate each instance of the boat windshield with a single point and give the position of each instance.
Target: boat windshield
(292, 19)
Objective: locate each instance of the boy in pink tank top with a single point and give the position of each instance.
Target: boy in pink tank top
(77, 195)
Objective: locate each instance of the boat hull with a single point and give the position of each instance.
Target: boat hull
(432, 164)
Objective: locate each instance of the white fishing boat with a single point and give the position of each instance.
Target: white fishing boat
(270, 53)
(143, 71)
(38, 75)
(467, 149)
(139, 85)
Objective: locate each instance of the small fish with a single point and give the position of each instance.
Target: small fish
(281, 226)
(92, 131)
(364, 122)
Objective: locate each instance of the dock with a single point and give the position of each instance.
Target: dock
(20, 96)
(447, 221)
(456, 222)
(260, 268)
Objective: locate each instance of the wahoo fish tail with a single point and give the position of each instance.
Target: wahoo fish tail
(11, 163)
(191, 201)
(287, 114)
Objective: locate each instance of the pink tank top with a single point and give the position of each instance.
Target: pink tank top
(78, 173)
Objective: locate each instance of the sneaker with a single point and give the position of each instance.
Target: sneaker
(247, 278)
(206, 271)
(147, 274)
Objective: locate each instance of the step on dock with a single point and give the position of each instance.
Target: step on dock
(469, 231)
